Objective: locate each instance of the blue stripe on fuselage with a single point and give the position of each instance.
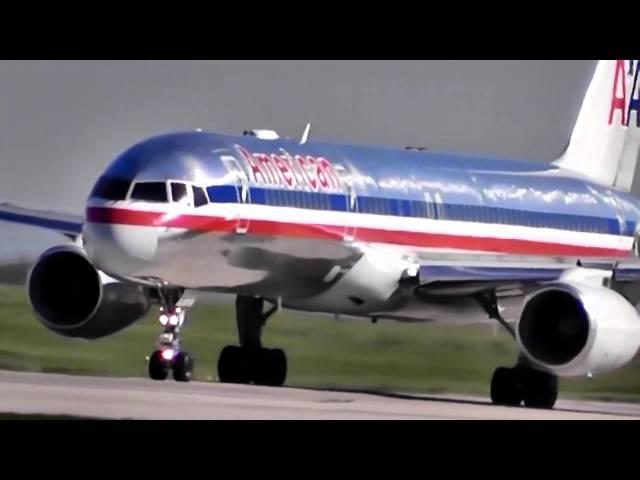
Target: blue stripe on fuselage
(414, 209)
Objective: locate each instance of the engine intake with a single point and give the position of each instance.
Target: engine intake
(573, 329)
(72, 298)
(554, 327)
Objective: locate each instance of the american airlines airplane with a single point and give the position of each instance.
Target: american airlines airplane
(548, 250)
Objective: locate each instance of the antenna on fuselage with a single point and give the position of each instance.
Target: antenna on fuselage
(305, 134)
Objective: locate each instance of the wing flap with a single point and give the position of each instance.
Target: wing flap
(492, 274)
(465, 275)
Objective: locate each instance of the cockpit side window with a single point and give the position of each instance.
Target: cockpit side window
(150, 192)
(111, 188)
(199, 197)
(179, 192)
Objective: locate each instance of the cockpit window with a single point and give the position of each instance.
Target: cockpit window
(199, 197)
(179, 192)
(111, 188)
(150, 192)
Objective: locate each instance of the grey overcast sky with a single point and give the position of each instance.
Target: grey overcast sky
(61, 122)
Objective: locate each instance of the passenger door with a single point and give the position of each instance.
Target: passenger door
(352, 207)
(243, 193)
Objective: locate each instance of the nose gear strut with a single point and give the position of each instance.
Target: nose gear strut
(169, 354)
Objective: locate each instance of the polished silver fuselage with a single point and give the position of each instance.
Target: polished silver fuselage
(332, 255)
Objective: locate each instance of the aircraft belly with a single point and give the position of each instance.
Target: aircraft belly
(451, 311)
(308, 274)
(457, 311)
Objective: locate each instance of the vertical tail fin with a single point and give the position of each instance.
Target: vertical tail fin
(605, 141)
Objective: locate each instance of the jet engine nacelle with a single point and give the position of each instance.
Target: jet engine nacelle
(573, 329)
(72, 298)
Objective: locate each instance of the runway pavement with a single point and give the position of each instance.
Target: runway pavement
(135, 398)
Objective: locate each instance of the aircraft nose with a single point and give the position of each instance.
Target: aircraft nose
(116, 246)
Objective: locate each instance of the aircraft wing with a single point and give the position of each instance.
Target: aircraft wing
(462, 274)
(63, 223)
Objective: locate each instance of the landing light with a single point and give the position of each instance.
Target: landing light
(413, 271)
(167, 354)
(410, 276)
(163, 319)
(173, 320)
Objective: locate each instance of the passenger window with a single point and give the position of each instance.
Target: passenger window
(150, 192)
(199, 197)
(179, 192)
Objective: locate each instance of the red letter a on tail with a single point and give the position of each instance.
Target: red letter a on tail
(619, 103)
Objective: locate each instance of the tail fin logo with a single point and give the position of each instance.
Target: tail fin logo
(619, 94)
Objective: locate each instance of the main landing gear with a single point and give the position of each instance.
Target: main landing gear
(168, 355)
(513, 386)
(251, 362)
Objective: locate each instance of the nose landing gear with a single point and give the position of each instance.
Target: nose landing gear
(168, 355)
